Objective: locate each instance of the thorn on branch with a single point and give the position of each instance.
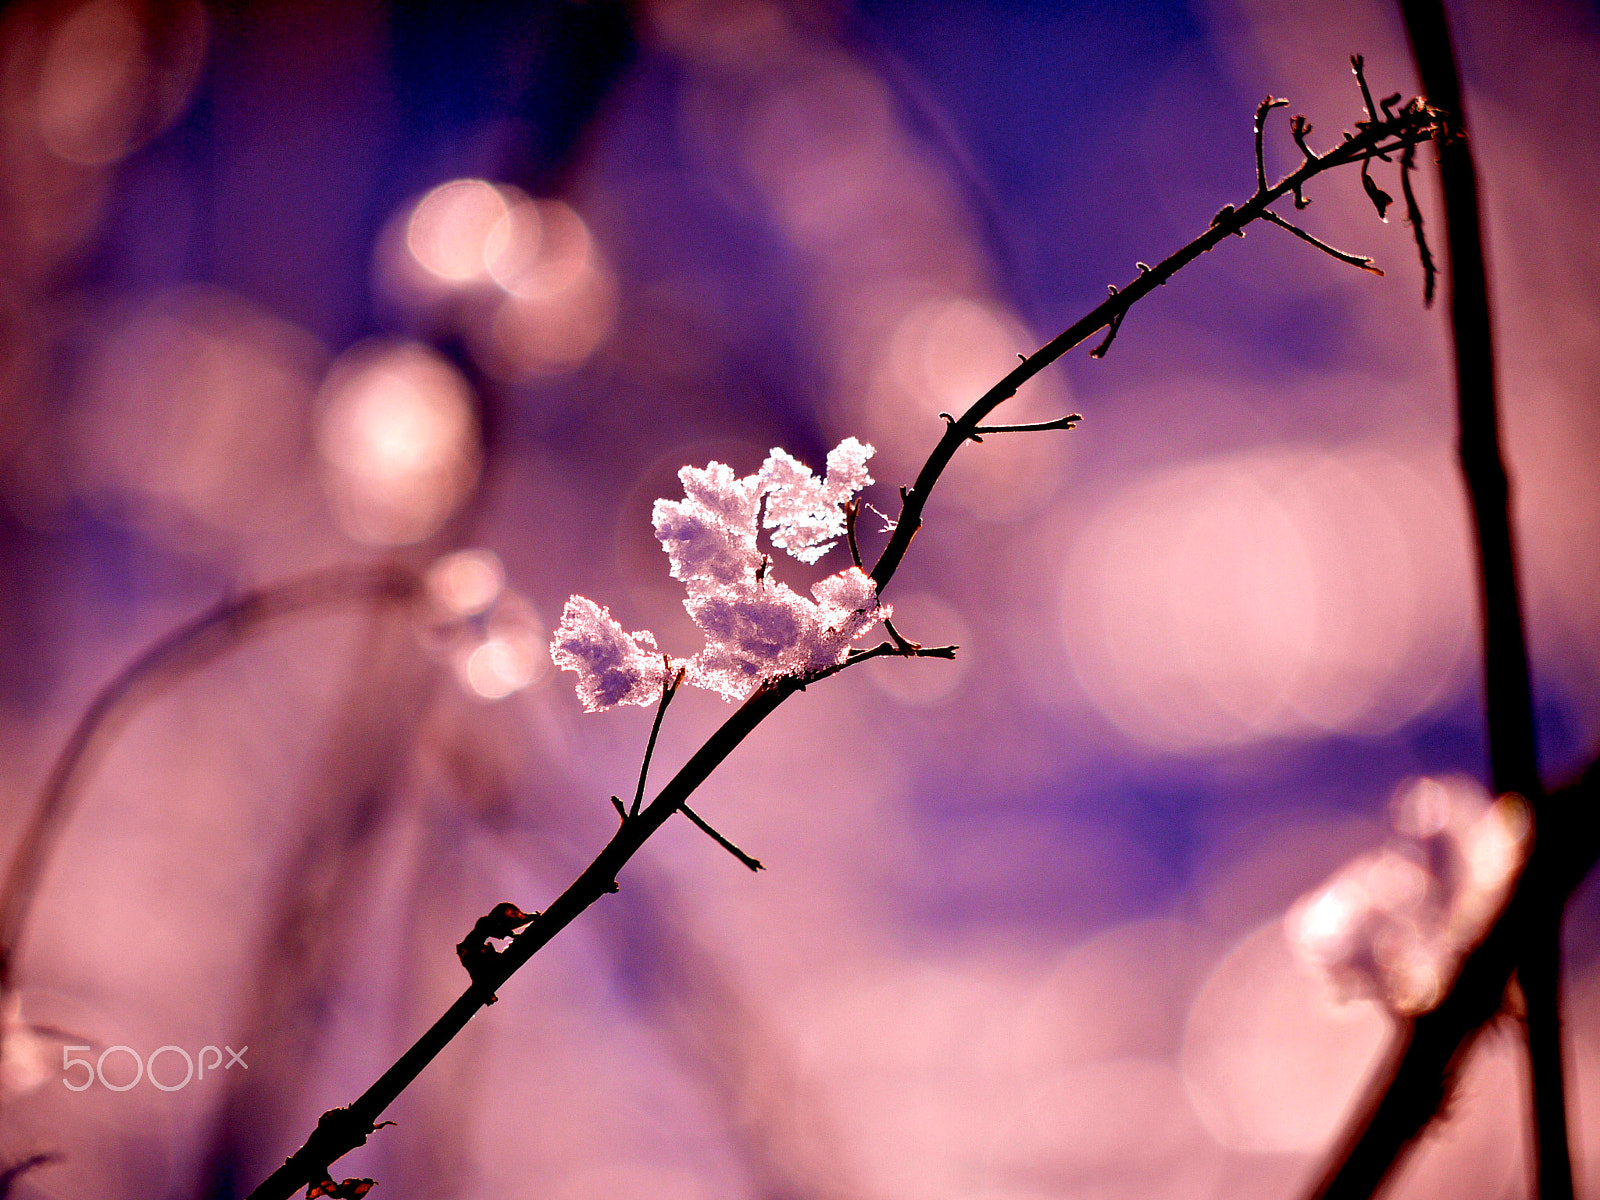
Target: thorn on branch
(972, 435)
(1355, 260)
(753, 863)
(474, 950)
(1146, 268)
(1262, 109)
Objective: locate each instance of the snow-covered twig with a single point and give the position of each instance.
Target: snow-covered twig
(610, 663)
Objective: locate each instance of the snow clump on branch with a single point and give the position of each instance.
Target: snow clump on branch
(756, 628)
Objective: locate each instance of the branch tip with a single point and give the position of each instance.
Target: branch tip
(1380, 198)
(700, 822)
(1358, 64)
(1262, 109)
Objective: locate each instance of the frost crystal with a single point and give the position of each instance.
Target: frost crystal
(710, 535)
(756, 628)
(613, 667)
(805, 512)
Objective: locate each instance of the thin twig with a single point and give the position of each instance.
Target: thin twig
(898, 648)
(1358, 65)
(905, 645)
(1430, 272)
(753, 863)
(343, 1129)
(1355, 260)
(1298, 128)
(1070, 421)
(669, 688)
(1262, 109)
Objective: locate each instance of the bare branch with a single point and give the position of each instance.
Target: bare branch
(1358, 64)
(1262, 109)
(852, 511)
(669, 688)
(341, 1130)
(1414, 123)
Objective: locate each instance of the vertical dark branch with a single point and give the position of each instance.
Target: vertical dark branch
(1525, 938)
(1513, 762)
(1513, 767)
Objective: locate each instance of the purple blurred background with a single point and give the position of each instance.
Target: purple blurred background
(290, 286)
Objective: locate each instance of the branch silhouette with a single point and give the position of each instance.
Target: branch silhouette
(341, 1130)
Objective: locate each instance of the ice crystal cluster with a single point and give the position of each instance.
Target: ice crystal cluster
(756, 628)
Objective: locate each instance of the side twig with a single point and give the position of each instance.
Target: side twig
(1355, 260)
(669, 688)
